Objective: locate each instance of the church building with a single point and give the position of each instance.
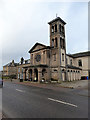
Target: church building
(51, 63)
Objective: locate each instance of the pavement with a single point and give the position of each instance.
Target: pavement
(81, 84)
(29, 100)
(0, 103)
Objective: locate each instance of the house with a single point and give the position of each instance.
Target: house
(10, 69)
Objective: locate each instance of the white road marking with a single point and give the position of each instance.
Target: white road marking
(20, 90)
(63, 102)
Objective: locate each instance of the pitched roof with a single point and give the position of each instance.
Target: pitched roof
(44, 46)
(69, 55)
(10, 64)
(56, 19)
(81, 54)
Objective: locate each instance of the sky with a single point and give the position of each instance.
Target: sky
(23, 23)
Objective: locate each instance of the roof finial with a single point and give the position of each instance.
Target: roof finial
(56, 15)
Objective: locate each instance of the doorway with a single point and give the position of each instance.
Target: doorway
(35, 75)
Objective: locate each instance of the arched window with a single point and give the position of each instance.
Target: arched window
(62, 56)
(71, 62)
(52, 29)
(56, 43)
(54, 57)
(66, 61)
(62, 42)
(52, 42)
(62, 70)
(43, 72)
(55, 27)
(80, 63)
(55, 70)
(59, 27)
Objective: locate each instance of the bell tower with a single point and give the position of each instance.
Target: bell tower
(58, 44)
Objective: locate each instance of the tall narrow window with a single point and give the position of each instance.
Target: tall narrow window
(61, 42)
(80, 63)
(63, 29)
(43, 56)
(18, 69)
(56, 43)
(54, 56)
(71, 62)
(59, 27)
(55, 27)
(66, 61)
(52, 42)
(62, 56)
(32, 58)
(52, 29)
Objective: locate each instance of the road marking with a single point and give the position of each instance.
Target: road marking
(20, 90)
(63, 102)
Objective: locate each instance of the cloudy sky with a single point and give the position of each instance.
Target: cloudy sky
(23, 23)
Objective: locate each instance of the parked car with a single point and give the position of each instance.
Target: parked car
(1, 82)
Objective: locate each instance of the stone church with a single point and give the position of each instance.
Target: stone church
(51, 63)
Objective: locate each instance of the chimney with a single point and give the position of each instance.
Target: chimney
(12, 62)
(22, 60)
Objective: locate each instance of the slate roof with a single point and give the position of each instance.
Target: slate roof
(56, 19)
(81, 54)
(73, 67)
(10, 64)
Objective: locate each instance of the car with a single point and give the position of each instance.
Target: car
(1, 83)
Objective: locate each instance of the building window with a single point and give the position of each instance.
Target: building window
(52, 29)
(71, 62)
(44, 56)
(63, 29)
(55, 28)
(54, 57)
(56, 43)
(62, 57)
(59, 27)
(66, 61)
(62, 43)
(55, 70)
(52, 42)
(80, 63)
(18, 69)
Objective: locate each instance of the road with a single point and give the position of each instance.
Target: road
(20, 101)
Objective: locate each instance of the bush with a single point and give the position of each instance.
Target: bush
(9, 76)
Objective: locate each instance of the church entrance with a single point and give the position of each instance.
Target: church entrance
(35, 75)
(30, 74)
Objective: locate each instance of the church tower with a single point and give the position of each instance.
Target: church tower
(58, 48)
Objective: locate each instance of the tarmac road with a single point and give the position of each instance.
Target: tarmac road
(20, 101)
